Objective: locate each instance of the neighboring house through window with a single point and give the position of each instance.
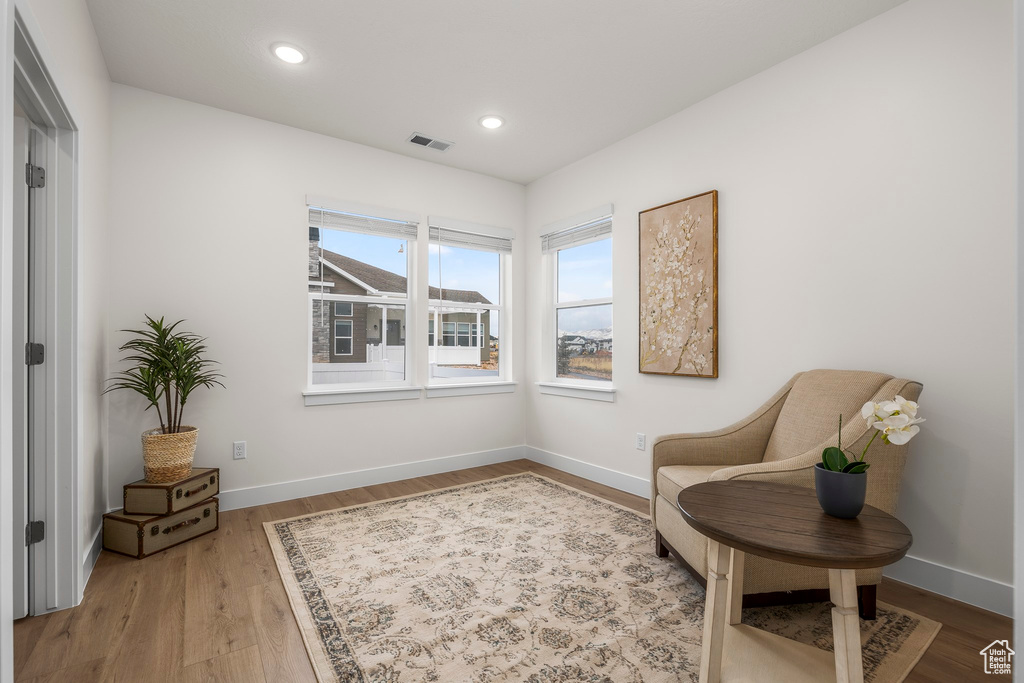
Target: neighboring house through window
(358, 296)
(468, 264)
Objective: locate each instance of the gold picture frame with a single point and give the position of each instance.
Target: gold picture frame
(679, 288)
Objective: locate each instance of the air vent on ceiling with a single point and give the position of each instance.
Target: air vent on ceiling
(429, 143)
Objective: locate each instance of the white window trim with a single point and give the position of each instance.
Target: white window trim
(577, 389)
(471, 389)
(579, 219)
(351, 337)
(355, 208)
(323, 397)
(504, 324)
(594, 390)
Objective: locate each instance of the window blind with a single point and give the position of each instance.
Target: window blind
(470, 240)
(584, 233)
(369, 225)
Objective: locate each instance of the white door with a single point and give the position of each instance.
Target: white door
(29, 395)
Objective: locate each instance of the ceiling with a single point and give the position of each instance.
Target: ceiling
(569, 76)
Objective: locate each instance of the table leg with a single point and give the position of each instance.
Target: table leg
(842, 585)
(715, 613)
(734, 605)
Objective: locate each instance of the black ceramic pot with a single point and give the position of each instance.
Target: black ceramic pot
(840, 494)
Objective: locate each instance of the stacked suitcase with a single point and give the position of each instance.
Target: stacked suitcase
(160, 516)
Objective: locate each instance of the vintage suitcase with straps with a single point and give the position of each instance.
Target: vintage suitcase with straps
(142, 498)
(140, 536)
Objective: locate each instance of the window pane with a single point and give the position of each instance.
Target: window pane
(584, 348)
(464, 275)
(585, 272)
(343, 309)
(475, 354)
(367, 347)
(360, 264)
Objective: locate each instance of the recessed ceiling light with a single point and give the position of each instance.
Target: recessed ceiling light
(492, 122)
(288, 53)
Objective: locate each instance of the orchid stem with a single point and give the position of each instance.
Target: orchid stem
(869, 445)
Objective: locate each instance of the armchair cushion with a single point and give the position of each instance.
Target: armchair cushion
(811, 412)
(675, 478)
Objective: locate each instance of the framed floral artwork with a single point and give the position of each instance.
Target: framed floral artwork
(679, 287)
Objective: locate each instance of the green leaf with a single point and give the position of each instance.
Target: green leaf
(856, 467)
(834, 459)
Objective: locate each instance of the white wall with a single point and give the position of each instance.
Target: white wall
(208, 223)
(75, 60)
(866, 221)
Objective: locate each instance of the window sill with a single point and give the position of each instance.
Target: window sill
(591, 393)
(326, 397)
(470, 389)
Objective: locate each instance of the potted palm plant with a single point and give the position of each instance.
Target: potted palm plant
(167, 366)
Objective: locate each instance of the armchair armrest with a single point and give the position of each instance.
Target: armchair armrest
(740, 443)
(798, 469)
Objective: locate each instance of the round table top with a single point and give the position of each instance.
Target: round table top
(785, 523)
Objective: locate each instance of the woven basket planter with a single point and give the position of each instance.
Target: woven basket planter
(168, 457)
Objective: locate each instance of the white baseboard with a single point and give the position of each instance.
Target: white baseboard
(989, 594)
(954, 583)
(289, 490)
(91, 554)
(602, 475)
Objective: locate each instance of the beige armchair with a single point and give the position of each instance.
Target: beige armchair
(780, 442)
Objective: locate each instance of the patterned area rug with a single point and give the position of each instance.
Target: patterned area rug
(520, 579)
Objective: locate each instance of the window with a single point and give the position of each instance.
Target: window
(358, 297)
(343, 337)
(467, 266)
(464, 334)
(581, 256)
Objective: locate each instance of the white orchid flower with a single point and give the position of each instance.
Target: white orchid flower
(895, 420)
(890, 407)
(874, 413)
(899, 429)
(906, 407)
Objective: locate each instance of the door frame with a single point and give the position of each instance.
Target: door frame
(58, 573)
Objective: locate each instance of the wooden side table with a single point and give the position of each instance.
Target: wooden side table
(783, 523)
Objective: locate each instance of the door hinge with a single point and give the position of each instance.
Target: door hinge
(34, 354)
(34, 532)
(35, 176)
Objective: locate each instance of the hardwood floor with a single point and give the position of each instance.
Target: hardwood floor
(215, 609)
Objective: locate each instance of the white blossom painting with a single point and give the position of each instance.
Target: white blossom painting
(679, 287)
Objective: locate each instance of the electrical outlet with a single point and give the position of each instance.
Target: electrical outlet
(239, 450)
(641, 441)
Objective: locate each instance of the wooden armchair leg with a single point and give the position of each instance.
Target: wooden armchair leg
(659, 548)
(868, 599)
